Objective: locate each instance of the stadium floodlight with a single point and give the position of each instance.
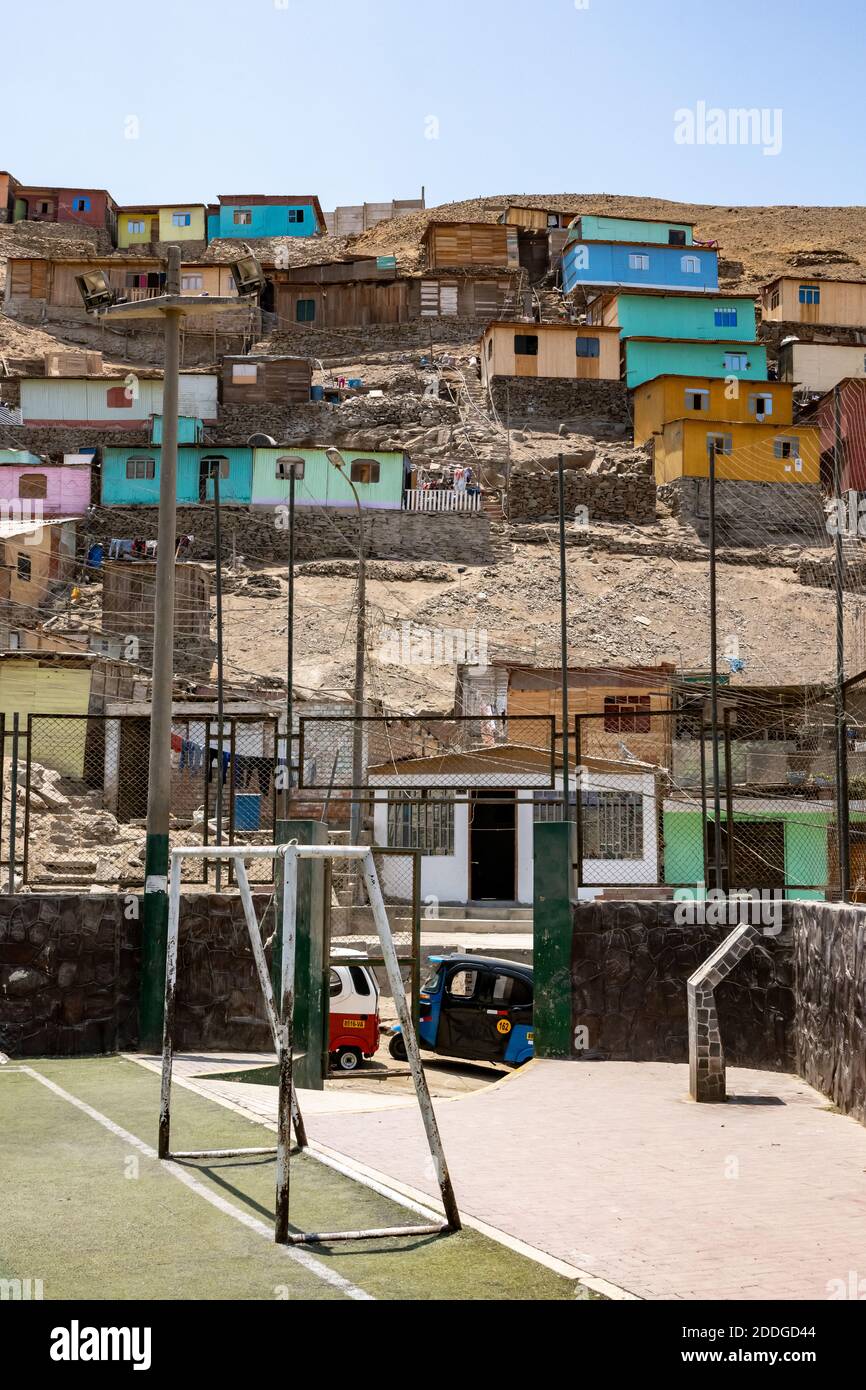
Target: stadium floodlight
(96, 290)
(248, 275)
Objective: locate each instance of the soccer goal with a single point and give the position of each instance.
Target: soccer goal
(280, 1013)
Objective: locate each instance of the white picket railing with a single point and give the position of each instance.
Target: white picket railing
(440, 500)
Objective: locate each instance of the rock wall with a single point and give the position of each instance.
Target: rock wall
(622, 497)
(337, 345)
(630, 964)
(320, 534)
(749, 512)
(551, 398)
(830, 968)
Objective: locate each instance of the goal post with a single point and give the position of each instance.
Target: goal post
(280, 1018)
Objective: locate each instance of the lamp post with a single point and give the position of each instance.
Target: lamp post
(170, 306)
(290, 468)
(335, 458)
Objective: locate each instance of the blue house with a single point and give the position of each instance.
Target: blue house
(639, 265)
(247, 216)
(130, 477)
(676, 315)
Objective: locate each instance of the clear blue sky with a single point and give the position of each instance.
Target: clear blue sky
(301, 96)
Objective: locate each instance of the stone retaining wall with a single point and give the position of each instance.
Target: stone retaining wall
(830, 1022)
(748, 512)
(622, 497)
(551, 398)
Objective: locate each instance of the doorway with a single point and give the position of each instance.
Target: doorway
(493, 845)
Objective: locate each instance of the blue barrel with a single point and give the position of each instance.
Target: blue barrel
(317, 393)
(248, 811)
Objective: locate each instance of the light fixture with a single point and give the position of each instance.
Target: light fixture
(247, 275)
(96, 290)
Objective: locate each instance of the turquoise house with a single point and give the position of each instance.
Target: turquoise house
(714, 317)
(130, 477)
(254, 215)
(646, 358)
(379, 478)
(646, 229)
(189, 429)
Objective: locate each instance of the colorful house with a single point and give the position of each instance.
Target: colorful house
(566, 351)
(646, 358)
(658, 402)
(8, 186)
(33, 278)
(818, 367)
(379, 478)
(639, 265)
(112, 402)
(263, 379)
(792, 299)
(130, 477)
(252, 215)
(655, 231)
(850, 412)
(57, 489)
(171, 222)
(744, 452)
(88, 207)
(714, 317)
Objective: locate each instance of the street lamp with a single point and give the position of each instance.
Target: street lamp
(336, 459)
(291, 468)
(170, 306)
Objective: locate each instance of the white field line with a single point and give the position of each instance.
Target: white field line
(301, 1257)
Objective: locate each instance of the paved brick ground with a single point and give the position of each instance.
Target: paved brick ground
(610, 1166)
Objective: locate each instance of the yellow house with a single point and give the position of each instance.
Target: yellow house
(171, 222)
(49, 684)
(748, 453)
(569, 351)
(658, 402)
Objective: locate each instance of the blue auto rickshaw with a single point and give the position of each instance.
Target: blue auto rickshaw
(477, 1007)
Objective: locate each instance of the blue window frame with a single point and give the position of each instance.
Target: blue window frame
(725, 318)
(181, 219)
(587, 347)
(810, 294)
(736, 361)
(80, 204)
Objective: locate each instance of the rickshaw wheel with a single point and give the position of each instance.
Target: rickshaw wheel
(348, 1059)
(397, 1047)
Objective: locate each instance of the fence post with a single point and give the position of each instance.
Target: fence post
(553, 929)
(578, 799)
(308, 1031)
(729, 802)
(13, 805)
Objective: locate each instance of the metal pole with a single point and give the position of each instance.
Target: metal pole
(155, 915)
(13, 804)
(215, 473)
(290, 645)
(714, 679)
(563, 640)
(842, 822)
(360, 651)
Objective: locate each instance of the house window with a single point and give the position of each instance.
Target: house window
(181, 219)
(627, 714)
(305, 311)
(489, 348)
(675, 237)
(761, 405)
(697, 400)
(587, 347)
(775, 297)
(786, 447)
(720, 443)
(118, 398)
(547, 805)
(736, 361)
(140, 469)
(417, 822)
(33, 485)
(690, 265)
(192, 282)
(612, 825)
(80, 204)
(295, 215)
(725, 318)
(242, 217)
(526, 344)
(244, 373)
(144, 280)
(638, 261)
(24, 568)
(135, 225)
(810, 294)
(14, 641)
(365, 471)
(210, 466)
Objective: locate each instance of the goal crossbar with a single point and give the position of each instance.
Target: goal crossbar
(280, 1020)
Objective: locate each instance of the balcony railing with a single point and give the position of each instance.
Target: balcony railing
(440, 500)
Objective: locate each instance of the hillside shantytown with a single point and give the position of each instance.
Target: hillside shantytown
(515, 550)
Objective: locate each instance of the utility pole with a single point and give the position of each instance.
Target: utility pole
(842, 818)
(335, 458)
(563, 644)
(214, 470)
(714, 682)
(155, 923)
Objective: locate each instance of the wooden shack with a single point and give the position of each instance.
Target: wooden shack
(263, 380)
(453, 244)
(128, 601)
(340, 294)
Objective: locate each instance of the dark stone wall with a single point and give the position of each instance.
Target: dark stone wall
(630, 964)
(830, 965)
(617, 497)
(552, 398)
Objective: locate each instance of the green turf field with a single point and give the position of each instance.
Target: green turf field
(92, 1216)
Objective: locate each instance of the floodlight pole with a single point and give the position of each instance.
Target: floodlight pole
(714, 681)
(563, 644)
(155, 920)
(842, 818)
(290, 646)
(214, 470)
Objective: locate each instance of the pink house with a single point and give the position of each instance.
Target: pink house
(29, 484)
